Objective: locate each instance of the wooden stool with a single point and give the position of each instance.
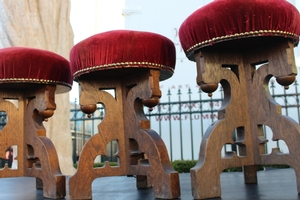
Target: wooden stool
(131, 63)
(229, 40)
(28, 81)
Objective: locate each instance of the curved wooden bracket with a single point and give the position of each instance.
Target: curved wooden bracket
(37, 156)
(141, 151)
(247, 106)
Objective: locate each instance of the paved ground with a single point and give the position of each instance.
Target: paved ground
(278, 184)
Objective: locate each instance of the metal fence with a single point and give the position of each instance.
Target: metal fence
(182, 118)
(83, 127)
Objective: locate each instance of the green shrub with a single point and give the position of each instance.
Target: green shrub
(183, 166)
(233, 169)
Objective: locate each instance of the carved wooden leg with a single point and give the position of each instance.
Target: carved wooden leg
(41, 157)
(205, 178)
(143, 182)
(96, 145)
(250, 174)
(205, 189)
(165, 180)
(147, 142)
(38, 183)
(288, 130)
(281, 64)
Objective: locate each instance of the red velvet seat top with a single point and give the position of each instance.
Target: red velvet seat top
(228, 20)
(114, 53)
(22, 67)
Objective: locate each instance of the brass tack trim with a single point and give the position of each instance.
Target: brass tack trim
(32, 80)
(245, 34)
(123, 65)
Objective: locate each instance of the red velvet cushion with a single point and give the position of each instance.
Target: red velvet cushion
(21, 65)
(123, 49)
(223, 20)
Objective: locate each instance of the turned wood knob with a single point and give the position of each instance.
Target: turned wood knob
(286, 80)
(46, 114)
(209, 88)
(88, 109)
(150, 103)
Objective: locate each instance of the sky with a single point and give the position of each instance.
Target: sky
(92, 17)
(95, 16)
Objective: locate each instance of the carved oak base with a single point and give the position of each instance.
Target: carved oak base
(36, 156)
(247, 106)
(141, 151)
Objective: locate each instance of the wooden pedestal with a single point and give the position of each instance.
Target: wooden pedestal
(141, 151)
(26, 109)
(246, 108)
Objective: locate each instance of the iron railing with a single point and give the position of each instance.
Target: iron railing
(182, 120)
